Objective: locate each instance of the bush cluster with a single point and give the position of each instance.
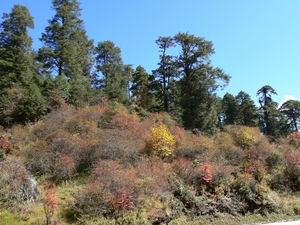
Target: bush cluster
(148, 169)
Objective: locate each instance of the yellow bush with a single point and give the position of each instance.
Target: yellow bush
(245, 137)
(160, 141)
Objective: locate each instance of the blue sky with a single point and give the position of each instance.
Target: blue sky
(256, 42)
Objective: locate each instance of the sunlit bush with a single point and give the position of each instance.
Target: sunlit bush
(160, 141)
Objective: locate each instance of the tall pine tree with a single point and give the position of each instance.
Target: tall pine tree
(113, 76)
(67, 51)
(198, 83)
(19, 80)
(247, 111)
(166, 72)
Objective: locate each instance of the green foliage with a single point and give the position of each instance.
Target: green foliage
(32, 104)
(273, 123)
(67, 51)
(165, 74)
(21, 99)
(114, 76)
(291, 110)
(199, 81)
(142, 93)
(230, 105)
(247, 111)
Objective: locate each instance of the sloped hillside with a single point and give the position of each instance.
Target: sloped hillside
(107, 165)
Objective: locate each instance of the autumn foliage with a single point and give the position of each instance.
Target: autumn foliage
(160, 141)
(101, 150)
(50, 201)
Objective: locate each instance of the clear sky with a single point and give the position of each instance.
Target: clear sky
(257, 42)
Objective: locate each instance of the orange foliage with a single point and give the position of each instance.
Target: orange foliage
(4, 141)
(50, 201)
(65, 168)
(207, 175)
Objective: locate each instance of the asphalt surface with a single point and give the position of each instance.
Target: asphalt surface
(284, 223)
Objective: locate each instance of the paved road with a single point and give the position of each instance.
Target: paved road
(285, 223)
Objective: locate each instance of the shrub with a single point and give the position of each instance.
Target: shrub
(244, 137)
(185, 169)
(292, 168)
(5, 143)
(108, 192)
(115, 147)
(221, 179)
(65, 167)
(16, 183)
(206, 174)
(274, 160)
(160, 141)
(294, 139)
(225, 141)
(38, 158)
(50, 201)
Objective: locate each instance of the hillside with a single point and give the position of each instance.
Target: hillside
(106, 165)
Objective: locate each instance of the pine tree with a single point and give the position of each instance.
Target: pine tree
(291, 110)
(198, 83)
(67, 51)
(166, 72)
(247, 111)
(142, 93)
(19, 80)
(230, 106)
(272, 121)
(113, 76)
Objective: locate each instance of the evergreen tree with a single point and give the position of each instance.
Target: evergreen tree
(15, 48)
(273, 123)
(247, 111)
(57, 91)
(142, 93)
(67, 51)
(267, 106)
(199, 81)
(231, 106)
(291, 110)
(19, 79)
(31, 106)
(166, 71)
(114, 76)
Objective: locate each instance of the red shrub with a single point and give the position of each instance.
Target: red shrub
(292, 168)
(206, 174)
(184, 168)
(65, 167)
(108, 191)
